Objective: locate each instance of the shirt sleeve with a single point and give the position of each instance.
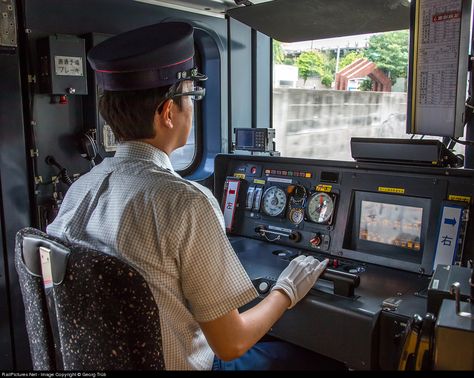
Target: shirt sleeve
(214, 281)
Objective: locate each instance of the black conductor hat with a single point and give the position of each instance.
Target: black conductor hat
(149, 57)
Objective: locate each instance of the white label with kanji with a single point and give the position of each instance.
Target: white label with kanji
(448, 235)
(68, 65)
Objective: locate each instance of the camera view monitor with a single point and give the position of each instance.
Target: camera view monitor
(389, 225)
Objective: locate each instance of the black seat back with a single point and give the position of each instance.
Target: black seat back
(97, 314)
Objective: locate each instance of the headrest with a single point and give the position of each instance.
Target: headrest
(59, 255)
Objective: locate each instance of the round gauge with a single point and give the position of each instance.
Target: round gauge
(299, 193)
(274, 201)
(296, 216)
(320, 207)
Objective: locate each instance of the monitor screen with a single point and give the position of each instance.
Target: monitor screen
(391, 224)
(252, 139)
(388, 228)
(245, 139)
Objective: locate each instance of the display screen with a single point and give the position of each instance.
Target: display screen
(391, 224)
(251, 139)
(245, 138)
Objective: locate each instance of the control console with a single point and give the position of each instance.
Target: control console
(384, 229)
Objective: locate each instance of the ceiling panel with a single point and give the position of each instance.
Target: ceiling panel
(302, 20)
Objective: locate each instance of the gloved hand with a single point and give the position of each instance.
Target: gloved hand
(299, 277)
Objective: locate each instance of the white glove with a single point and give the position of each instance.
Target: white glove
(299, 277)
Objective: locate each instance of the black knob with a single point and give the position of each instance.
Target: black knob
(295, 236)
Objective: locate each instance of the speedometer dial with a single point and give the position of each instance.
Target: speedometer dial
(274, 201)
(320, 207)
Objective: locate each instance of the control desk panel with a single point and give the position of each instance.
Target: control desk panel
(384, 228)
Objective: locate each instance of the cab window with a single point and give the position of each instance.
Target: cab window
(327, 91)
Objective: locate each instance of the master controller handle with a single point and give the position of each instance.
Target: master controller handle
(344, 282)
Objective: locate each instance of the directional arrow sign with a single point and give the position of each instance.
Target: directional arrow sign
(450, 221)
(448, 234)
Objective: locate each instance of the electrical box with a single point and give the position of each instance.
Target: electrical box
(441, 281)
(454, 337)
(62, 65)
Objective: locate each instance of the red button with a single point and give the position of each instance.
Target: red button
(316, 240)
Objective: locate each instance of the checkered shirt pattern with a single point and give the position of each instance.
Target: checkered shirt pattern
(171, 230)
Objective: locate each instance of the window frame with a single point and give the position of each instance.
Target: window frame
(197, 125)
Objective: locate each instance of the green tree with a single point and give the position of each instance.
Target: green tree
(309, 64)
(349, 58)
(278, 53)
(329, 65)
(366, 85)
(389, 51)
(326, 80)
(289, 60)
(316, 63)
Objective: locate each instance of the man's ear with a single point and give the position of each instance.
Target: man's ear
(164, 118)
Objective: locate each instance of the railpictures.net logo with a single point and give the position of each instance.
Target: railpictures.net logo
(45, 374)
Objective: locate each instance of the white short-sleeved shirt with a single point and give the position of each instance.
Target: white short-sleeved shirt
(135, 206)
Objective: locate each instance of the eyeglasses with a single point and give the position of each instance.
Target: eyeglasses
(196, 94)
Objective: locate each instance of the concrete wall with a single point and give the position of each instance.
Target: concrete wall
(319, 124)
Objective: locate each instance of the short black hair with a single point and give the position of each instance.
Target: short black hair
(130, 114)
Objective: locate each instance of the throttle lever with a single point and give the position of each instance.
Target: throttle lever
(344, 282)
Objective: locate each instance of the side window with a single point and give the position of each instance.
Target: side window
(184, 157)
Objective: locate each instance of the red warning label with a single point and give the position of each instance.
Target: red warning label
(446, 16)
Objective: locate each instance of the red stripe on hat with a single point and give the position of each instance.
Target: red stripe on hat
(169, 65)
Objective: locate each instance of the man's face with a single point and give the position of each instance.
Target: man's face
(184, 116)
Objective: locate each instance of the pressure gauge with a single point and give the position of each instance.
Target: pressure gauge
(296, 215)
(320, 207)
(274, 201)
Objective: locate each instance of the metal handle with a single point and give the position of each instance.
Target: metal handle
(344, 283)
(455, 289)
(292, 235)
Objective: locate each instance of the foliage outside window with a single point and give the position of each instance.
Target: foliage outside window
(389, 51)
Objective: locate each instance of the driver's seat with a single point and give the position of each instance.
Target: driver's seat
(93, 311)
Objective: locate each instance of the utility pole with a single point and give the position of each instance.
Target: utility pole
(337, 60)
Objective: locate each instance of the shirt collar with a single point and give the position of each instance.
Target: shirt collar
(144, 151)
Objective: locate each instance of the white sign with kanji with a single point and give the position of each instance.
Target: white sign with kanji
(68, 65)
(448, 235)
